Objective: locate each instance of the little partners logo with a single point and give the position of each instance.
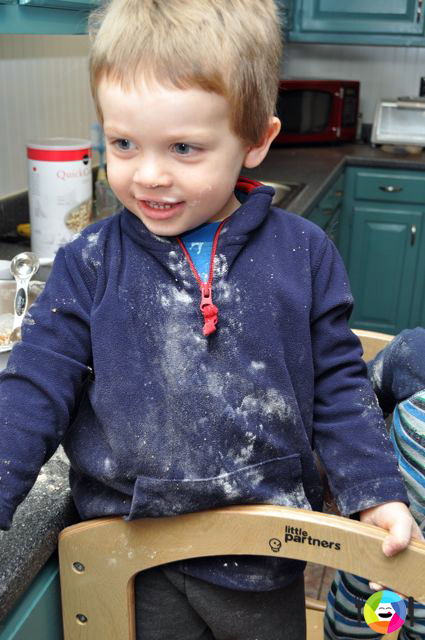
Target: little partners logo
(301, 536)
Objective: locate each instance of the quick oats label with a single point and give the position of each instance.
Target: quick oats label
(60, 192)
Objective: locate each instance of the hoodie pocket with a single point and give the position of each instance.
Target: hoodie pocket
(277, 481)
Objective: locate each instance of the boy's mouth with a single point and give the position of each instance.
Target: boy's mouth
(158, 205)
(159, 210)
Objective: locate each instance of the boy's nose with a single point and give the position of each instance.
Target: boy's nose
(151, 174)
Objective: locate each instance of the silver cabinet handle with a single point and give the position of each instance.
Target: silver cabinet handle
(391, 188)
(412, 234)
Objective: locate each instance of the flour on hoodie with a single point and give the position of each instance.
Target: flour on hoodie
(257, 366)
(89, 251)
(220, 265)
(184, 364)
(267, 404)
(177, 263)
(293, 498)
(375, 373)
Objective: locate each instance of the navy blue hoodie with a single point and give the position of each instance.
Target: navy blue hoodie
(173, 421)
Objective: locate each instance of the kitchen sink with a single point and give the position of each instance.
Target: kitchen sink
(285, 192)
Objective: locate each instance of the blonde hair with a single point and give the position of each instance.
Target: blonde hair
(230, 47)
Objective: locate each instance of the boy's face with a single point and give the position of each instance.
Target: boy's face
(171, 155)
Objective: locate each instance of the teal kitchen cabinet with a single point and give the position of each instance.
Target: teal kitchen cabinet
(382, 22)
(59, 4)
(382, 242)
(38, 614)
(326, 214)
(45, 16)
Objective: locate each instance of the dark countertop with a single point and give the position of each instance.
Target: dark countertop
(49, 508)
(318, 167)
(26, 547)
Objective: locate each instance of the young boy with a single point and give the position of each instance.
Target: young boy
(398, 377)
(220, 358)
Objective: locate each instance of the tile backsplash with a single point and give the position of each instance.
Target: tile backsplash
(44, 92)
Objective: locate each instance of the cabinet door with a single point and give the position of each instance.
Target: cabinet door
(320, 217)
(327, 213)
(61, 4)
(332, 228)
(384, 256)
(38, 614)
(37, 18)
(381, 21)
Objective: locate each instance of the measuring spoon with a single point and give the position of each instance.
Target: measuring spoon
(22, 268)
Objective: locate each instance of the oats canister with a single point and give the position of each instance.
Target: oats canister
(60, 191)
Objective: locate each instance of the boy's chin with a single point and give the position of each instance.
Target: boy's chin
(169, 227)
(162, 228)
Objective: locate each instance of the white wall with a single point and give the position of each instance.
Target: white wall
(44, 87)
(383, 71)
(44, 91)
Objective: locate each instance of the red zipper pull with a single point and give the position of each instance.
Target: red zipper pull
(208, 309)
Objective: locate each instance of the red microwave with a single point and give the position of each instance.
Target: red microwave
(317, 111)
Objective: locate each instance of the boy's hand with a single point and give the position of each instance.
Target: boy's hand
(401, 527)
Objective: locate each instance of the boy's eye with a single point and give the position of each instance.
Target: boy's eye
(183, 149)
(123, 144)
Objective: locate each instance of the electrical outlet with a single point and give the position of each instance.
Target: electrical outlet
(422, 86)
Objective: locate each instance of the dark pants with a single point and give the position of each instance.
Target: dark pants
(173, 606)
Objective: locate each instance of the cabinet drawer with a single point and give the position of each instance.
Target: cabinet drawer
(390, 186)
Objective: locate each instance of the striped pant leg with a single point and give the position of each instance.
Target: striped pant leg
(341, 616)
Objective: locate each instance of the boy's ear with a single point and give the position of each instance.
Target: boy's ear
(256, 154)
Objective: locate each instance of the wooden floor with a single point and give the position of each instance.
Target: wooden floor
(317, 580)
